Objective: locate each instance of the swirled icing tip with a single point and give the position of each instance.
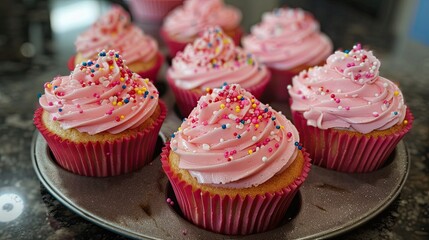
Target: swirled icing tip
(358, 64)
(112, 21)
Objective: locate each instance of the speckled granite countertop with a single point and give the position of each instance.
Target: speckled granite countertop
(41, 216)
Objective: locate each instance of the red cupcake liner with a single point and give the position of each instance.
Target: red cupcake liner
(151, 73)
(175, 46)
(187, 99)
(343, 152)
(152, 10)
(232, 215)
(103, 159)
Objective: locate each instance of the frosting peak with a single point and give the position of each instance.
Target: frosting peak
(213, 58)
(115, 31)
(357, 64)
(100, 95)
(232, 140)
(348, 93)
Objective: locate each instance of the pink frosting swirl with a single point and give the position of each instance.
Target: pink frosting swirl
(232, 140)
(212, 60)
(115, 31)
(101, 95)
(287, 38)
(187, 21)
(348, 93)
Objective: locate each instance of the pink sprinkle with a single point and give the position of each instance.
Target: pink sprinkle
(55, 118)
(50, 104)
(270, 149)
(289, 134)
(168, 200)
(375, 114)
(237, 120)
(337, 100)
(81, 111)
(276, 145)
(347, 108)
(205, 123)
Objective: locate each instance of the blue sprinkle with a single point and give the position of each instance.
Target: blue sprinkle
(97, 65)
(124, 86)
(242, 121)
(223, 126)
(299, 147)
(225, 83)
(346, 51)
(39, 95)
(60, 109)
(266, 110)
(146, 93)
(238, 136)
(209, 45)
(151, 97)
(242, 99)
(396, 113)
(89, 63)
(296, 143)
(92, 70)
(278, 127)
(273, 118)
(55, 87)
(126, 100)
(172, 135)
(117, 55)
(84, 64)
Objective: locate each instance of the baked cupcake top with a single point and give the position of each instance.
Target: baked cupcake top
(187, 21)
(348, 93)
(232, 140)
(101, 95)
(213, 59)
(115, 31)
(287, 38)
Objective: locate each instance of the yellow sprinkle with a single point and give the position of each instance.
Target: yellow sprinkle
(49, 85)
(396, 93)
(122, 116)
(253, 100)
(179, 129)
(101, 69)
(259, 117)
(119, 103)
(405, 122)
(222, 106)
(237, 110)
(250, 151)
(114, 103)
(217, 50)
(122, 79)
(146, 80)
(111, 67)
(208, 89)
(254, 105)
(256, 125)
(139, 92)
(346, 54)
(282, 127)
(239, 97)
(144, 89)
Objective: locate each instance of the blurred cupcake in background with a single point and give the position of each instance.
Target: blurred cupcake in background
(114, 30)
(185, 23)
(101, 120)
(350, 118)
(152, 10)
(235, 163)
(287, 41)
(210, 61)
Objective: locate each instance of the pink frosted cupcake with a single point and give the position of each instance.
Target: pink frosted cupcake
(209, 62)
(185, 23)
(235, 164)
(102, 120)
(115, 31)
(287, 41)
(152, 10)
(352, 117)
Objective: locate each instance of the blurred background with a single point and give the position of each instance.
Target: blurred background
(38, 33)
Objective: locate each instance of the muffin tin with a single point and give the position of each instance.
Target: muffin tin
(329, 203)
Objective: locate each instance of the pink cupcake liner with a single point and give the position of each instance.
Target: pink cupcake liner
(187, 99)
(151, 73)
(233, 215)
(152, 10)
(277, 88)
(175, 46)
(347, 153)
(103, 159)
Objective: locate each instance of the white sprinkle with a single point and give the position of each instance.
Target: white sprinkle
(264, 159)
(349, 73)
(340, 107)
(361, 64)
(228, 100)
(323, 93)
(272, 133)
(369, 103)
(221, 140)
(206, 147)
(361, 80)
(338, 90)
(385, 85)
(357, 59)
(375, 63)
(254, 138)
(289, 87)
(376, 94)
(228, 125)
(355, 95)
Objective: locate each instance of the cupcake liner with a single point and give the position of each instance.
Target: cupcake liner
(233, 215)
(345, 152)
(277, 87)
(175, 46)
(151, 73)
(187, 99)
(102, 159)
(152, 10)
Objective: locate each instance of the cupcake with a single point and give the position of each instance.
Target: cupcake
(210, 61)
(102, 119)
(352, 117)
(152, 10)
(184, 24)
(115, 31)
(235, 164)
(287, 41)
